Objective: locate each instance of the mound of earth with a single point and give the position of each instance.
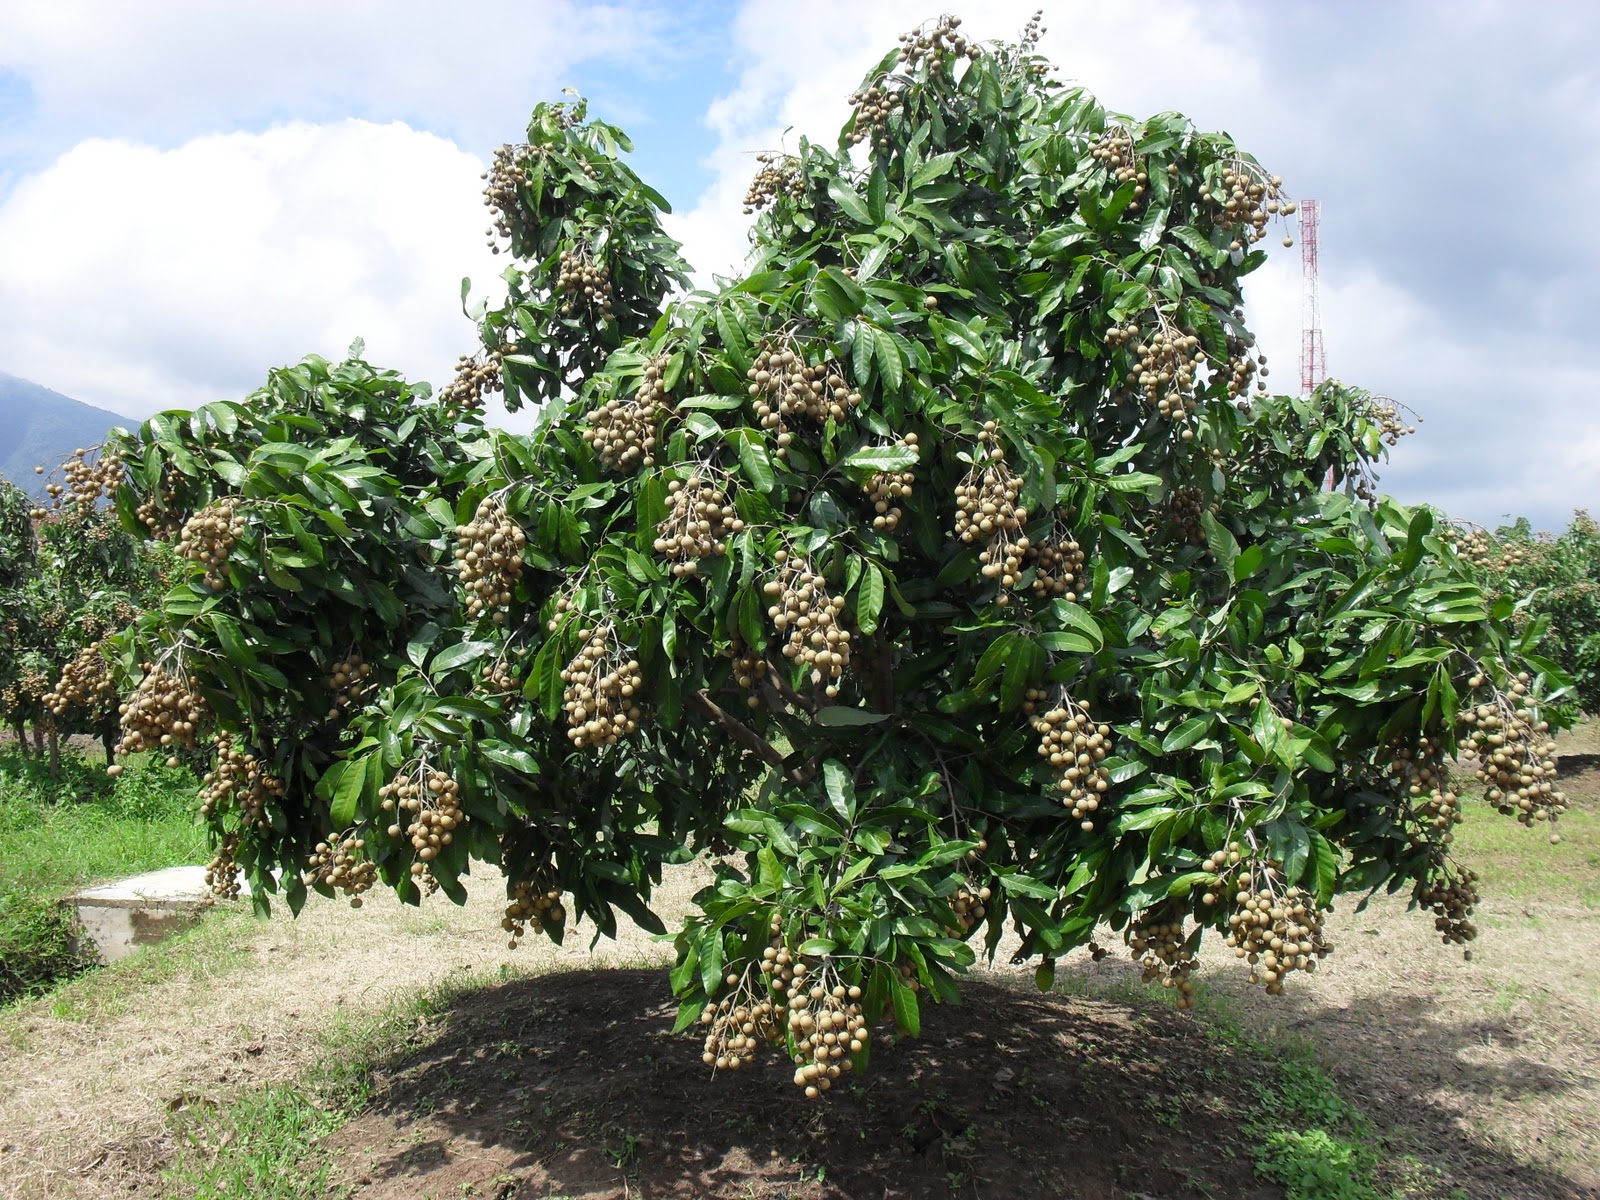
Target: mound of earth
(571, 1085)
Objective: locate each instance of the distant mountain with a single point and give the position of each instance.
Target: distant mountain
(39, 427)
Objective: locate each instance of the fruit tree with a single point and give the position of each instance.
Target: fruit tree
(951, 571)
(1556, 578)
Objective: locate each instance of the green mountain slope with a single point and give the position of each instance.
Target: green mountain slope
(40, 427)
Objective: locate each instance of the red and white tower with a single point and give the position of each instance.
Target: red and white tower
(1313, 356)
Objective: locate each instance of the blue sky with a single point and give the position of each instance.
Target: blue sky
(192, 192)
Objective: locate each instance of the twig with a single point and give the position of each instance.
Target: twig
(740, 732)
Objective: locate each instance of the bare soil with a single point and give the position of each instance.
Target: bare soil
(571, 1085)
(1484, 1076)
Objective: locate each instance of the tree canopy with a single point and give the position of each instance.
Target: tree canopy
(952, 569)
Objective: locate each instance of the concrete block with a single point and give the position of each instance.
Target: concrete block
(118, 918)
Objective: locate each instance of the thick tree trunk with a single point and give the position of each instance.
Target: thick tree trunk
(20, 731)
(55, 752)
(38, 739)
(108, 739)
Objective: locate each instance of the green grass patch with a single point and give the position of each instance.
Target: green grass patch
(266, 1142)
(60, 834)
(1520, 863)
(1311, 1140)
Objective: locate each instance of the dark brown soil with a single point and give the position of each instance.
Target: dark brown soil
(571, 1085)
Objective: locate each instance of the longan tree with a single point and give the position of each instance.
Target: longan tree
(1555, 578)
(950, 571)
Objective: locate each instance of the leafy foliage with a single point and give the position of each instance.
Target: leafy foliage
(976, 461)
(1556, 583)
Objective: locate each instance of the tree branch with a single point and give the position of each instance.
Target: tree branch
(740, 732)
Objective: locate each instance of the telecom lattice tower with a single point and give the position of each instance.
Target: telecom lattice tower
(1313, 356)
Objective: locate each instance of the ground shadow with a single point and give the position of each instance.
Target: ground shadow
(1389, 1053)
(571, 1085)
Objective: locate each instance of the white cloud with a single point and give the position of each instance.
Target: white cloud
(139, 279)
(1531, 379)
(800, 66)
(165, 70)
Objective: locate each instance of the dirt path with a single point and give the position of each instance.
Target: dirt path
(1478, 1067)
(84, 1102)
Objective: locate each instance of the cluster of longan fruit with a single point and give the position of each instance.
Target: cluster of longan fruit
(18, 693)
(1419, 775)
(1185, 510)
(348, 681)
(476, 378)
(531, 906)
(583, 283)
(159, 512)
(968, 904)
(1244, 365)
(783, 385)
(623, 431)
(738, 1025)
(162, 714)
(987, 509)
(1385, 414)
(341, 866)
(827, 1025)
(601, 689)
(1074, 746)
(1057, 564)
(699, 519)
(433, 802)
(887, 488)
(1164, 367)
(1276, 929)
(489, 558)
(1034, 29)
(1155, 939)
(809, 618)
(222, 872)
(874, 105)
(943, 40)
(502, 192)
(86, 682)
(1452, 899)
(1516, 761)
(498, 677)
(1474, 545)
(85, 482)
(779, 174)
(1249, 199)
(240, 778)
(749, 668)
(208, 537)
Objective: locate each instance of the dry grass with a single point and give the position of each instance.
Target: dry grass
(88, 1077)
(1501, 1049)
(1504, 1048)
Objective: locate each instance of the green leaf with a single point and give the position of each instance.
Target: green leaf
(836, 716)
(1220, 541)
(849, 200)
(1248, 562)
(347, 792)
(1077, 617)
(889, 360)
(907, 1017)
(460, 654)
(754, 462)
(870, 460)
(841, 791)
(1186, 734)
(869, 598)
(689, 1013)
